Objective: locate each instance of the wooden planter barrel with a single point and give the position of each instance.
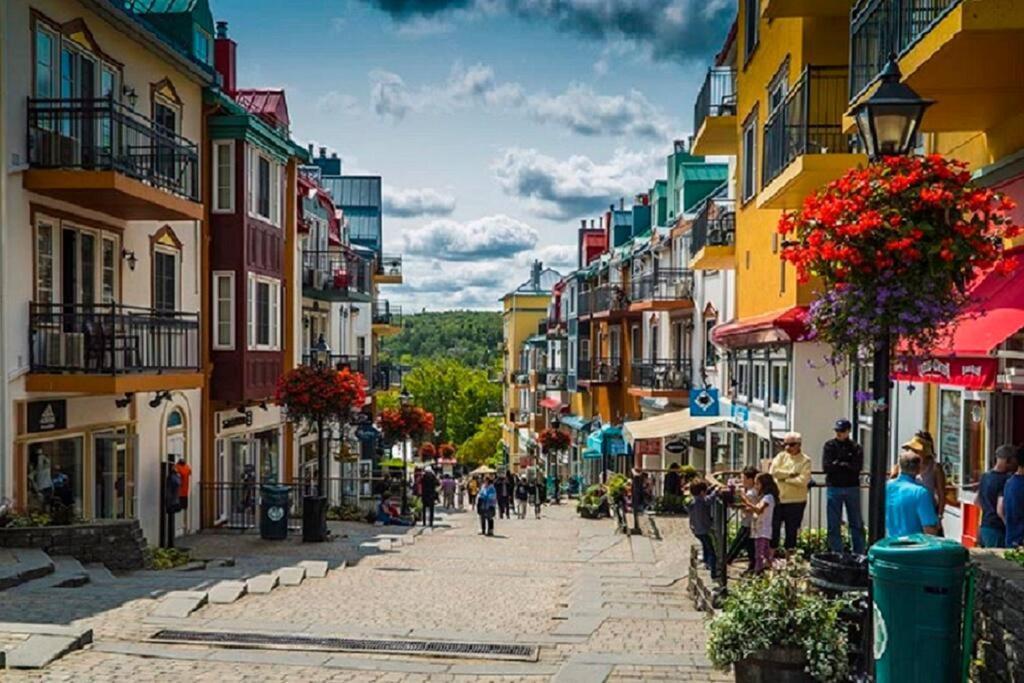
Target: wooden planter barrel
(773, 666)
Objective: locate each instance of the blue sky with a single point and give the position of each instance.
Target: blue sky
(496, 124)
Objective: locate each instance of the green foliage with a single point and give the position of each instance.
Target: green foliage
(165, 558)
(60, 516)
(480, 448)
(1015, 555)
(459, 396)
(813, 541)
(617, 486)
(779, 610)
(348, 513)
(387, 400)
(396, 463)
(590, 503)
(470, 337)
(671, 504)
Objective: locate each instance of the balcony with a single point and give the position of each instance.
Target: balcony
(662, 290)
(389, 270)
(554, 380)
(804, 9)
(387, 319)
(521, 379)
(360, 364)
(966, 55)
(584, 303)
(804, 143)
(661, 377)
(714, 113)
(387, 376)
(713, 236)
(599, 370)
(335, 276)
(100, 155)
(608, 301)
(111, 349)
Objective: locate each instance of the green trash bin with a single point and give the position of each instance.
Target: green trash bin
(918, 592)
(274, 505)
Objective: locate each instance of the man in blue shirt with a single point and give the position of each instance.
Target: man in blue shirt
(1011, 508)
(992, 531)
(909, 507)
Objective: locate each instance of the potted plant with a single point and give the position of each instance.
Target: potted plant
(776, 628)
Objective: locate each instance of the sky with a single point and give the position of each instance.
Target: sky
(496, 124)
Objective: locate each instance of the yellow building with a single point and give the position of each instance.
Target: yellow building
(524, 315)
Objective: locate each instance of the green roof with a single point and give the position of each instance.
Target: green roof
(236, 122)
(713, 172)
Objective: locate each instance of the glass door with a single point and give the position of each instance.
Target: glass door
(110, 475)
(975, 438)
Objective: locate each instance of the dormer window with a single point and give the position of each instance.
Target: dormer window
(201, 42)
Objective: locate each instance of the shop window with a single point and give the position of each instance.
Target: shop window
(268, 445)
(55, 476)
(975, 437)
(950, 442)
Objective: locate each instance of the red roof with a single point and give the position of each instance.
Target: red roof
(787, 325)
(268, 104)
(305, 184)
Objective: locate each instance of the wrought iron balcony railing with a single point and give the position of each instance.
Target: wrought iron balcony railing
(714, 226)
(808, 121)
(554, 379)
(361, 364)
(111, 339)
(666, 375)
(387, 375)
(390, 266)
(386, 314)
(663, 284)
(335, 274)
(717, 97)
(104, 135)
(599, 370)
(879, 28)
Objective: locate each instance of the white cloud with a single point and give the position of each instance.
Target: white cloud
(490, 237)
(389, 95)
(421, 27)
(334, 102)
(585, 112)
(410, 203)
(578, 185)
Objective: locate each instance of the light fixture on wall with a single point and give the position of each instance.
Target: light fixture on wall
(128, 92)
(124, 402)
(129, 256)
(160, 397)
(241, 409)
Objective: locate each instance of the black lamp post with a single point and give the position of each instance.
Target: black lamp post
(405, 400)
(887, 123)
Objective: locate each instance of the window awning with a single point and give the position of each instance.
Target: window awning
(784, 326)
(995, 313)
(609, 440)
(575, 422)
(551, 403)
(670, 424)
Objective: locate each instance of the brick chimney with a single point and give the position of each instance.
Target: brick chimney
(224, 58)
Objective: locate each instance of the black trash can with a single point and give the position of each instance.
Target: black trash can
(314, 519)
(846, 575)
(274, 506)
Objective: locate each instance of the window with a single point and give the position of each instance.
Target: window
(108, 271)
(44, 262)
(201, 45)
(224, 310)
(361, 346)
(585, 350)
(224, 176)
(975, 437)
(950, 438)
(760, 382)
(165, 280)
(264, 313)
(751, 21)
(710, 352)
(743, 377)
(750, 157)
(779, 385)
(264, 188)
(46, 43)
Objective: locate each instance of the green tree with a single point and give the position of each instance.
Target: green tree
(471, 337)
(459, 396)
(480, 449)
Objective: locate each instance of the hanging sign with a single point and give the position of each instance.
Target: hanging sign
(47, 416)
(704, 402)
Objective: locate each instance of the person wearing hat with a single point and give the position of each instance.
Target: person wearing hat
(792, 472)
(842, 459)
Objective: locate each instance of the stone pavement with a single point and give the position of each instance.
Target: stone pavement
(600, 606)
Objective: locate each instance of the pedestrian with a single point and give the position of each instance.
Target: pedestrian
(472, 487)
(931, 476)
(185, 475)
(700, 511)
(460, 492)
(428, 494)
(791, 471)
(842, 459)
(1011, 508)
(992, 532)
(504, 493)
(534, 489)
(909, 508)
(522, 494)
(761, 529)
(486, 505)
(448, 491)
(388, 514)
(744, 537)
(673, 481)
(558, 489)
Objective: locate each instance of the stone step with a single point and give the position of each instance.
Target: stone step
(99, 574)
(226, 592)
(261, 584)
(180, 603)
(44, 644)
(315, 569)
(29, 564)
(291, 576)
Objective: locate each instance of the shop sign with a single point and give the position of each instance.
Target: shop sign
(47, 416)
(704, 402)
(647, 446)
(230, 420)
(675, 447)
(971, 373)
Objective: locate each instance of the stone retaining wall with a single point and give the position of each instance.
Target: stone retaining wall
(998, 619)
(118, 544)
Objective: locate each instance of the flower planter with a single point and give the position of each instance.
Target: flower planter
(773, 666)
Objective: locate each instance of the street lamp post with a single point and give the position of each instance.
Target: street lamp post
(887, 124)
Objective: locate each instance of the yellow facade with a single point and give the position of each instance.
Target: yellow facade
(521, 315)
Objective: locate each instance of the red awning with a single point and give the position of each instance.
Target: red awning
(784, 326)
(551, 403)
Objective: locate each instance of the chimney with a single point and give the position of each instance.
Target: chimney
(334, 155)
(622, 203)
(323, 152)
(224, 60)
(310, 148)
(592, 221)
(535, 274)
(680, 146)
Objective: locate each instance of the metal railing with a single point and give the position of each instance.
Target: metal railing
(386, 314)
(584, 304)
(879, 28)
(389, 265)
(672, 375)
(606, 297)
(104, 135)
(714, 226)
(554, 379)
(111, 339)
(599, 370)
(808, 121)
(662, 284)
(387, 375)
(361, 364)
(335, 273)
(717, 97)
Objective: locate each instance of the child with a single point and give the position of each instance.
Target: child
(761, 528)
(700, 520)
(748, 493)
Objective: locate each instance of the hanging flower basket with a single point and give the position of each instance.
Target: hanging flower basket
(428, 451)
(894, 247)
(446, 451)
(553, 441)
(400, 424)
(320, 394)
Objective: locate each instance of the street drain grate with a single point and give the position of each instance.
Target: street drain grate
(395, 569)
(428, 648)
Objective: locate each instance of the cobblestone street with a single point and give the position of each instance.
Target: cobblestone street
(600, 606)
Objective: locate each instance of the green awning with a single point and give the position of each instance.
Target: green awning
(591, 454)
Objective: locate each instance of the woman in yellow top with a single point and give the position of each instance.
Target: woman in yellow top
(792, 471)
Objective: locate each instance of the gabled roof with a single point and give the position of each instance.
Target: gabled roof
(270, 104)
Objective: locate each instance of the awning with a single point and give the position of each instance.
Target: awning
(670, 424)
(551, 403)
(608, 440)
(575, 422)
(591, 454)
(995, 313)
(785, 326)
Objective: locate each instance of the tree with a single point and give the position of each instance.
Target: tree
(471, 337)
(458, 396)
(480, 448)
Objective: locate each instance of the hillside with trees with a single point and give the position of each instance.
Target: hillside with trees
(470, 337)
